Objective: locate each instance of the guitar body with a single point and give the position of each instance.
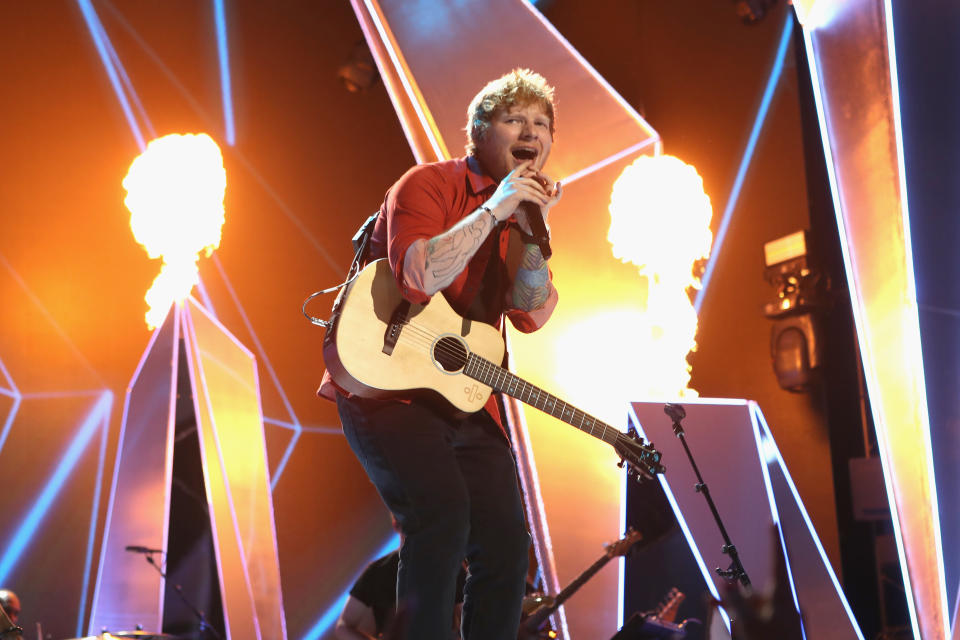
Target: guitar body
(360, 357)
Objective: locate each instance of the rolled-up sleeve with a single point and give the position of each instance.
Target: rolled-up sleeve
(415, 211)
(530, 321)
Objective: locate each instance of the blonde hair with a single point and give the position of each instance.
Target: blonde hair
(519, 87)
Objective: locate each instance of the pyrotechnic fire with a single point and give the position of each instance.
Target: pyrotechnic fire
(660, 221)
(175, 196)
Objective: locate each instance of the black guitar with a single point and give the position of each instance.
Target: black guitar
(537, 609)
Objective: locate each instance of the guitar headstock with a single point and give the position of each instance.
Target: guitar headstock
(641, 458)
(622, 546)
(667, 609)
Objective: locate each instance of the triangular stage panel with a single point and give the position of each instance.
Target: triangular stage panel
(753, 492)
(129, 593)
(222, 382)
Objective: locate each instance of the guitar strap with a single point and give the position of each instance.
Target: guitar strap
(361, 241)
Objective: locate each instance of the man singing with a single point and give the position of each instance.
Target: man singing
(457, 228)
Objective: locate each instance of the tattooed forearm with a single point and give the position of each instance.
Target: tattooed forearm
(448, 253)
(531, 284)
(532, 259)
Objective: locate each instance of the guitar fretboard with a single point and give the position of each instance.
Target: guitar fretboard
(581, 580)
(540, 616)
(503, 381)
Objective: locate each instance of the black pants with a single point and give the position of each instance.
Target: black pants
(452, 486)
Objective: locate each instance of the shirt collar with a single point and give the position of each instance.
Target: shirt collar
(479, 181)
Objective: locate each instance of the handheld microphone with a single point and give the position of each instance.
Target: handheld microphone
(537, 226)
(138, 549)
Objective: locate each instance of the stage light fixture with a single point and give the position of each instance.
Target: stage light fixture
(359, 72)
(753, 11)
(795, 349)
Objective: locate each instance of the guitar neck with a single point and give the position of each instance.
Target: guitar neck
(540, 616)
(572, 588)
(501, 380)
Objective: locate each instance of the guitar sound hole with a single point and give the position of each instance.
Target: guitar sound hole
(450, 353)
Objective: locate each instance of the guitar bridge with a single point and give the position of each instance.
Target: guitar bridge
(397, 320)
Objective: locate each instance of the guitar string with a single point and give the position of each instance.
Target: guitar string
(427, 338)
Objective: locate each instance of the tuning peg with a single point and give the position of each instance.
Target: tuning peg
(621, 463)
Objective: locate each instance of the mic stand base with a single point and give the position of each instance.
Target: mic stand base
(202, 625)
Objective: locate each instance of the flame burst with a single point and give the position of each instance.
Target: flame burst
(175, 196)
(660, 221)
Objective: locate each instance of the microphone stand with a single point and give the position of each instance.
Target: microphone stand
(203, 626)
(735, 572)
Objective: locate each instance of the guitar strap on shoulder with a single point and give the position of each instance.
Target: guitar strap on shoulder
(361, 240)
(361, 246)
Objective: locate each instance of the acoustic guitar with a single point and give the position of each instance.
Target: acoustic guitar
(380, 345)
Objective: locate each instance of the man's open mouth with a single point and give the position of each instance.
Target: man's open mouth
(524, 153)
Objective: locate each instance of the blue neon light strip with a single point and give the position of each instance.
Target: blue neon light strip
(92, 531)
(96, 29)
(8, 424)
(329, 617)
(155, 58)
(306, 429)
(6, 374)
(281, 423)
(275, 476)
(29, 525)
(207, 302)
(125, 79)
(223, 56)
(758, 123)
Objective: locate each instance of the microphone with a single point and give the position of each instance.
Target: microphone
(539, 229)
(675, 411)
(138, 549)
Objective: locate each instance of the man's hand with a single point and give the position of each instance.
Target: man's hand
(524, 184)
(554, 193)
